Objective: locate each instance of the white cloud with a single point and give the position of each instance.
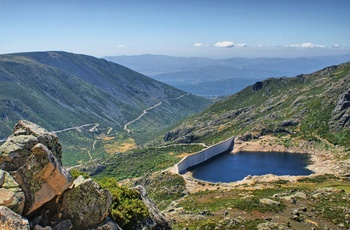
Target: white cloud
(198, 44)
(336, 46)
(306, 45)
(120, 46)
(241, 45)
(225, 44)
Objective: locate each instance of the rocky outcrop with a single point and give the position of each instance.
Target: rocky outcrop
(341, 113)
(182, 135)
(36, 192)
(257, 86)
(34, 184)
(156, 220)
(85, 204)
(42, 178)
(16, 150)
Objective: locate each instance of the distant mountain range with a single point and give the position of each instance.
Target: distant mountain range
(60, 90)
(221, 77)
(313, 107)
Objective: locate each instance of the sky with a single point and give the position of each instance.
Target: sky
(186, 28)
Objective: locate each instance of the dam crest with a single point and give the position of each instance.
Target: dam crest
(204, 155)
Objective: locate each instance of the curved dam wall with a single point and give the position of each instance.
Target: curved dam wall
(204, 155)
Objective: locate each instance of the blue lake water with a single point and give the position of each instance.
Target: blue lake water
(233, 167)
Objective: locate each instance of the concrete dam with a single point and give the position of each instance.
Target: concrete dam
(204, 155)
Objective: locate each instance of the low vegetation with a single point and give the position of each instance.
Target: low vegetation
(127, 207)
(142, 161)
(163, 187)
(310, 203)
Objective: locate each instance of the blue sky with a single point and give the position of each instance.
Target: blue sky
(188, 28)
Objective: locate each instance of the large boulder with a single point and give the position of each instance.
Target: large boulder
(12, 195)
(85, 204)
(17, 148)
(9, 220)
(42, 178)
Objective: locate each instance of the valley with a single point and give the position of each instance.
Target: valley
(154, 131)
(61, 90)
(175, 115)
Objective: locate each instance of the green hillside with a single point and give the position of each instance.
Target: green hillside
(59, 90)
(310, 107)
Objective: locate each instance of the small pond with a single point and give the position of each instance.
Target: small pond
(231, 167)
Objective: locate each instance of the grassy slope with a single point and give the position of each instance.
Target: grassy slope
(307, 100)
(60, 90)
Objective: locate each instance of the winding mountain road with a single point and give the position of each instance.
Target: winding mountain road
(75, 127)
(150, 108)
(143, 113)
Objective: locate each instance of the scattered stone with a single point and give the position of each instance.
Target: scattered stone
(109, 225)
(206, 213)
(38, 227)
(273, 225)
(289, 123)
(63, 225)
(9, 220)
(267, 201)
(293, 200)
(298, 214)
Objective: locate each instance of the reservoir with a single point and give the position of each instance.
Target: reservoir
(231, 167)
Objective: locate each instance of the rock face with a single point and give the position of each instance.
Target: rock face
(341, 113)
(34, 184)
(42, 178)
(16, 150)
(157, 220)
(182, 135)
(257, 86)
(85, 204)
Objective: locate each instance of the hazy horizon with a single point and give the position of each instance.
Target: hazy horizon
(224, 29)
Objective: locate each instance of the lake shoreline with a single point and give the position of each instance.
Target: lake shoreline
(322, 162)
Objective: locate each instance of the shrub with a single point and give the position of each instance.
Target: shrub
(75, 173)
(127, 208)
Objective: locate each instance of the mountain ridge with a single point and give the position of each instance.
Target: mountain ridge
(59, 90)
(309, 106)
(185, 73)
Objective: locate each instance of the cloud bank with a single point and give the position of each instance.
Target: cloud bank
(198, 44)
(306, 45)
(225, 44)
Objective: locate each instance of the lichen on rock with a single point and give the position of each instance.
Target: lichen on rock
(16, 150)
(85, 204)
(9, 220)
(41, 178)
(12, 195)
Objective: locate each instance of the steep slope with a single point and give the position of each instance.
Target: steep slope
(58, 90)
(312, 107)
